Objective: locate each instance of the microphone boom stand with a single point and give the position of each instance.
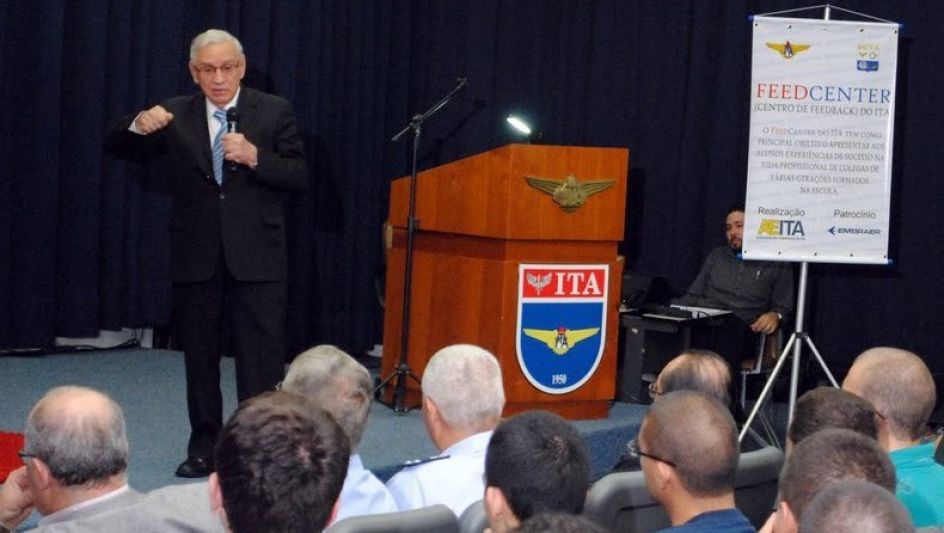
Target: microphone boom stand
(403, 370)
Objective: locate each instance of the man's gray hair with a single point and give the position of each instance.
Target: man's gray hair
(212, 37)
(465, 383)
(337, 383)
(80, 434)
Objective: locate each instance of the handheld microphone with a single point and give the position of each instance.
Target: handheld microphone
(232, 119)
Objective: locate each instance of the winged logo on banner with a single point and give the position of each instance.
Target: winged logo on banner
(539, 282)
(787, 49)
(568, 193)
(561, 340)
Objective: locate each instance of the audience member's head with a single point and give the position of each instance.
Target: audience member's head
(76, 448)
(462, 394)
(829, 407)
(536, 462)
(280, 465)
(855, 506)
(689, 453)
(899, 386)
(335, 382)
(696, 370)
(552, 522)
(823, 458)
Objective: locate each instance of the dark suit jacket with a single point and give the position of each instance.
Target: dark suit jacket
(246, 217)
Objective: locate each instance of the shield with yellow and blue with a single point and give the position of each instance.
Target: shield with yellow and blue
(561, 323)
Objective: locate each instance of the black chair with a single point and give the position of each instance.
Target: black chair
(620, 502)
(434, 519)
(473, 519)
(755, 487)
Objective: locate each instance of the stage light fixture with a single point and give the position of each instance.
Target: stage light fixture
(519, 125)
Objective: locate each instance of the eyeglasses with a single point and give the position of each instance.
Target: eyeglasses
(25, 456)
(209, 70)
(653, 391)
(635, 452)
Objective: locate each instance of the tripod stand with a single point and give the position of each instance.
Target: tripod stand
(402, 372)
(797, 338)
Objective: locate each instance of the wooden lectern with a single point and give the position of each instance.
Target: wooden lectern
(478, 220)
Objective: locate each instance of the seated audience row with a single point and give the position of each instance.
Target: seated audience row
(287, 461)
(280, 464)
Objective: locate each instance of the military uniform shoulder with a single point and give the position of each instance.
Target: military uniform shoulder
(418, 462)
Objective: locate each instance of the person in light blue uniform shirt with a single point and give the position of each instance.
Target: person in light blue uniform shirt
(463, 400)
(342, 387)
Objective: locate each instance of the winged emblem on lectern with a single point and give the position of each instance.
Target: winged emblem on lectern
(561, 340)
(569, 193)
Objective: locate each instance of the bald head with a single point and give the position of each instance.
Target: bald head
(698, 435)
(898, 384)
(701, 371)
(79, 433)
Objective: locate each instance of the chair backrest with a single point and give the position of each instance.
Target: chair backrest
(433, 519)
(755, 486)
(473, 519)
(620, 502)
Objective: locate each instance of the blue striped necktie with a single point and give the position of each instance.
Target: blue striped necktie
(220, 115)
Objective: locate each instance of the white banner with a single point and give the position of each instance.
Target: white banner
(820, 161)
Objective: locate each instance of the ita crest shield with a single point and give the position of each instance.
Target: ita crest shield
(561, 323)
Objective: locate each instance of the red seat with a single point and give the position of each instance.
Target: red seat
(10, 444)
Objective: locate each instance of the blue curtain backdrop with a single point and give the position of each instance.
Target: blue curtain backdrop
(83, 240)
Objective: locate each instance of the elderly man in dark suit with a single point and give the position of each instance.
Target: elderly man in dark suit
(231, 175)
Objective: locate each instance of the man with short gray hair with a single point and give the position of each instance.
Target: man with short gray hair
(333, 381)
(76, 455)
(463, 400)
(337, 383)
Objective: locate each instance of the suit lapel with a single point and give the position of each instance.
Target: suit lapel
(197, 130)
(248, 112)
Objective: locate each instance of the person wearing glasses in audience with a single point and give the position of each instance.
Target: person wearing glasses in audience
(692, 478)
(75, 474)
(696, 370)
(231, 157)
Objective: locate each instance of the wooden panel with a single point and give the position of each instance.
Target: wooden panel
(486, 194)
(478, 220)
(465, 291)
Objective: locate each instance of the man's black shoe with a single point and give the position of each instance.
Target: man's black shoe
(195, 467)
